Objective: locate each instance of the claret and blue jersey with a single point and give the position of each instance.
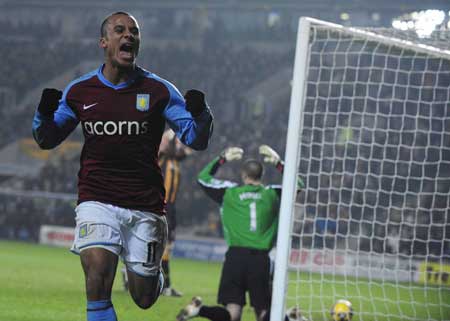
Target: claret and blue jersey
(122, 126)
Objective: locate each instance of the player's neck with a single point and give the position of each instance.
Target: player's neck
(116, 74)
(249, 181)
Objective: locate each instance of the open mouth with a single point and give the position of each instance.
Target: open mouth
(126, 51)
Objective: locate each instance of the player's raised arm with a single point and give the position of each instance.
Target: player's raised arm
(53, 120)
(213, 187)
(270, 156)
(189, 117)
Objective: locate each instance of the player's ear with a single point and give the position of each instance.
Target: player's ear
(102, 42)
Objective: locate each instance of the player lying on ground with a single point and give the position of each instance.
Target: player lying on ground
(250, 220)
(123, 110)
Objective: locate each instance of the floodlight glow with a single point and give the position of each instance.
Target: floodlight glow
(376, 16)
(345, 16)
(423, 22)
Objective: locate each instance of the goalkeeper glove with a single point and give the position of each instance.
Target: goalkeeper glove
(270, 156)
(195, 102)
(49, 101)
(231, 153)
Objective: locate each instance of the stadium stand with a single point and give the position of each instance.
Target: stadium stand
(243, 66)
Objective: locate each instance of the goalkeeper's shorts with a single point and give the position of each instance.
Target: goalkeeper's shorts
(137, 237)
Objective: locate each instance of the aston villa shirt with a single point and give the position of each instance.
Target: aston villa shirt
(122, 126)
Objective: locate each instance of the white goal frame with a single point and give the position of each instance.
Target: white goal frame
(292, 155)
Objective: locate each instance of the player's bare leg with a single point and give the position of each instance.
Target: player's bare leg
(144, 290)
(261, 314)
(124, 273)
(235, 311)
(168, 290)
(99, 266)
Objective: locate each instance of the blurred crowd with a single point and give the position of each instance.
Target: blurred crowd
(226, 72)
(368, 186)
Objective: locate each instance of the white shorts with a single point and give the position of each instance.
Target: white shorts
(137, 237)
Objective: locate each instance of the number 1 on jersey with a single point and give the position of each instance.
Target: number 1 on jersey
(253, 216)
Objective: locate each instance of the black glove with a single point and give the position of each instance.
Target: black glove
(195, 102)
(49, 101)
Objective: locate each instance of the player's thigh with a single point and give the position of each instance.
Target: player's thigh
(235, 311)
(99, 263)
(144, 243)
(232, 286)
(99, 266)
(258, 280)
(97, 225)
(98, 242)
(262, 315)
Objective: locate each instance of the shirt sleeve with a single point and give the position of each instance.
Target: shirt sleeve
(194, 132)
(278, 190)
(50, 131)
(213, 187)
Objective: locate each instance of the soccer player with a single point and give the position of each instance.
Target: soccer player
(123, 110)
(250, 220)
(171, 153)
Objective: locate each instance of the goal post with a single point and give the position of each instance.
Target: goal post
(289, 174)
(369, 133)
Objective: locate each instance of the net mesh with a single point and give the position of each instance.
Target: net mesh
(372, 224)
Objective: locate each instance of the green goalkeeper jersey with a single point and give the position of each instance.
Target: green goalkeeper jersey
(249, 212)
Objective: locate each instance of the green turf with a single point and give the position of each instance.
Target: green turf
(39, 283)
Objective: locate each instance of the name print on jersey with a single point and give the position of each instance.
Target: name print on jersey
(111, 128)
(249, 195)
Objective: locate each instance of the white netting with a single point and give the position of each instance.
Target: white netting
(373, 223)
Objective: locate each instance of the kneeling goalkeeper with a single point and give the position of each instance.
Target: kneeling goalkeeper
(250, 221)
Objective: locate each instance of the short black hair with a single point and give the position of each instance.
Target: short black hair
(106, 20)
(253, 168)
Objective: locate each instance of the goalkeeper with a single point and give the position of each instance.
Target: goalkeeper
(250, 220)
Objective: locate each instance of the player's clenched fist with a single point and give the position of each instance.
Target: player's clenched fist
(195, 102)
(49, 101)
(232, 153)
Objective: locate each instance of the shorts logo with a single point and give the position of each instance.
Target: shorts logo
(83, 231)
(142, 102)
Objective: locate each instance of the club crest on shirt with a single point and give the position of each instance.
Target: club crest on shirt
(142, 102)
(83, 232)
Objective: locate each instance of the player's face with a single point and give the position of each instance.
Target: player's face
(121, 43)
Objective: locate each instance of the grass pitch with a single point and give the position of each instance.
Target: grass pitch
(39, 283)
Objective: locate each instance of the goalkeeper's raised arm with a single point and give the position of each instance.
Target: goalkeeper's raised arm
(270, 156)
(214, 187)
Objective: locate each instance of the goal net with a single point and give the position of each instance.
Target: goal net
(369, 133)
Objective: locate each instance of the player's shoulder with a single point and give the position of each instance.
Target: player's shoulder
(219, 184)
(83, 79)
(238, 189)
(77, 84)
(273, 188)
(171, 88)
